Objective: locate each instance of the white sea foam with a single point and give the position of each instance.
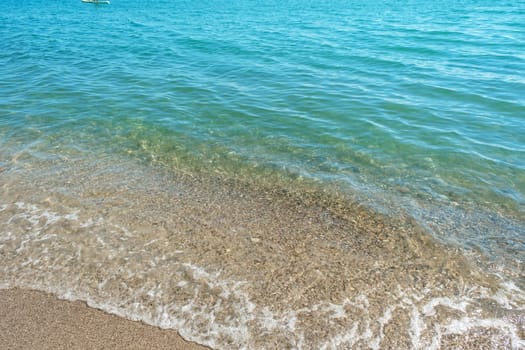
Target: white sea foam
(182, 317)
(466, 324)
(219, 312)
(429, 309)
(468, 321)
(34, 215)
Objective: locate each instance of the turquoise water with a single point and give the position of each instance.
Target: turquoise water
(414, 106)
(422, 97)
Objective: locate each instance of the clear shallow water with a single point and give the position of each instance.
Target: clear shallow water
(412, 108)
(418, 95)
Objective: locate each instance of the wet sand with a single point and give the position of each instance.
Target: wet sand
(238, 264)
(36, 320)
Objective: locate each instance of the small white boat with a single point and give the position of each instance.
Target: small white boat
(105, 2)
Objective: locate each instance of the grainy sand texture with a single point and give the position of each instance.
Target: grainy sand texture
(36, 320)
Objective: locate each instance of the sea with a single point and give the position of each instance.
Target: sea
(313, 174)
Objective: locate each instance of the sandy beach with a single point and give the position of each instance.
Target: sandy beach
(229, 264)
(262, 175)
(36, 320)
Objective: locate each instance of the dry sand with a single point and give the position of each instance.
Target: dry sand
(36, 320)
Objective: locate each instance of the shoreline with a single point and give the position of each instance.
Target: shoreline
(33, 319)
(232, 264)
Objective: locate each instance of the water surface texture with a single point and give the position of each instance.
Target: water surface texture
(270, 174)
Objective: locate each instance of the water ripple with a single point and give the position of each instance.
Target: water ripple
(385, 93)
